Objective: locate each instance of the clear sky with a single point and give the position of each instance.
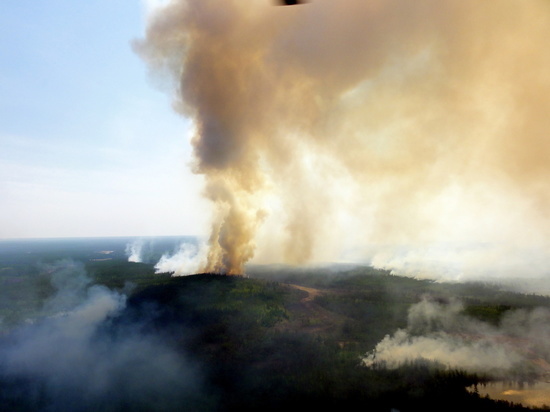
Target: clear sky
(89, 145)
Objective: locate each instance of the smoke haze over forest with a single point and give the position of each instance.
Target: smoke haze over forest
(71, 358)
(346, 141)
(96, 331)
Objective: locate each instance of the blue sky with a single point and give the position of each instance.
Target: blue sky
(89, 146)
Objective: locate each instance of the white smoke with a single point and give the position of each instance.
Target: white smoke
(441, 333)
(462, 261)
(187, 260)
(134, 251)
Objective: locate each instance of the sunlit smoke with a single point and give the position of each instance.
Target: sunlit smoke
(187, 260)
(328, 128)
(491, 262)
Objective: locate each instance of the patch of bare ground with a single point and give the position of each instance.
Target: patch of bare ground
(308, 316)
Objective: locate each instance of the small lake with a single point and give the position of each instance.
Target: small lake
(535, 394)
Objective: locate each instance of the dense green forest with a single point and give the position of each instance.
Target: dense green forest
(279, 337)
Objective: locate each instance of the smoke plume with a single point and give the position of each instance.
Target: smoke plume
(134, 251)
(362, 123)
(70, 361)
(141, 250)
(187, 260)
(515, 349)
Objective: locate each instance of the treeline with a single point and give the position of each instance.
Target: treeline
(237, 332)
(231, 325)
(365, 290)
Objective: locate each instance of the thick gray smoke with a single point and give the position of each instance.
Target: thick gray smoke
(516, 349)
(328, 129)
(68, 361)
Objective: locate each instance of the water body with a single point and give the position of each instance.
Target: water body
(533, 394)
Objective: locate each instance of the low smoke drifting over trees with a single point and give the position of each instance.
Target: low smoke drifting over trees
(281, 338)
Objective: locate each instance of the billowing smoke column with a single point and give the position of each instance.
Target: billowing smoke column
(362, 122)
